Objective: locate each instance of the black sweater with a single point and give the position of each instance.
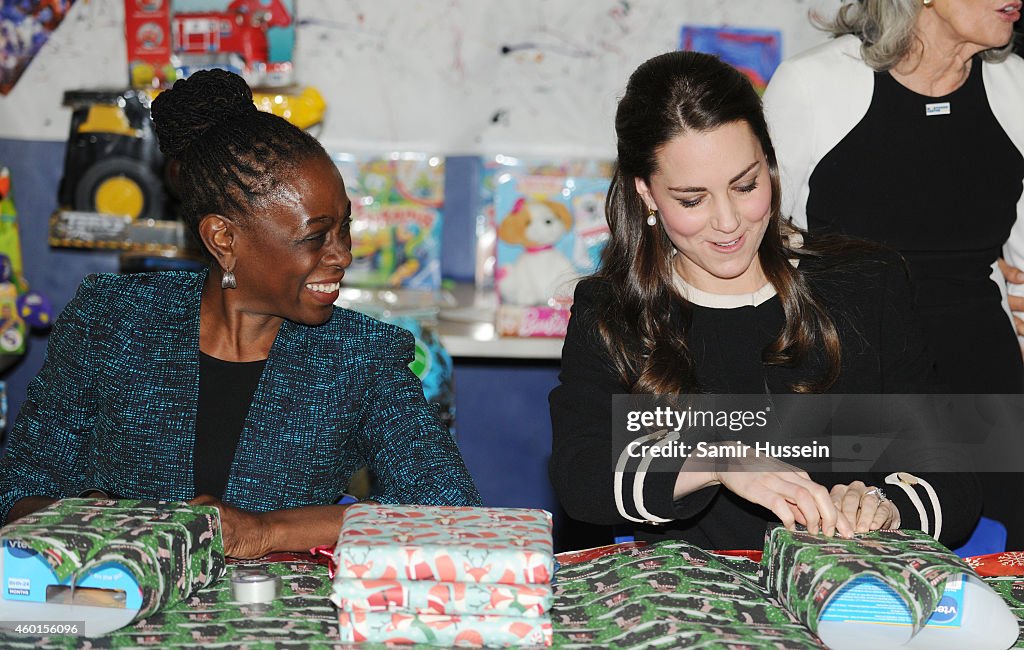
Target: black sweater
(868, 299)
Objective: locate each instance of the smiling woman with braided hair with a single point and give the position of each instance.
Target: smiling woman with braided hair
(241, 386)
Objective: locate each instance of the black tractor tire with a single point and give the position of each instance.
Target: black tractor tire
(148, 182)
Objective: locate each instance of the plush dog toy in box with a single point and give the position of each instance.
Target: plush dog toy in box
(541, 272)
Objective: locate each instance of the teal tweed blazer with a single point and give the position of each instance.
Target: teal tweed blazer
(114, 407)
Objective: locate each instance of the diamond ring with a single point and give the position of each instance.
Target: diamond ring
(879, 494)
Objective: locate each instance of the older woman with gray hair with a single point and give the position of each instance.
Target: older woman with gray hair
(908, 128)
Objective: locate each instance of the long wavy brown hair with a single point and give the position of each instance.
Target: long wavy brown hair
(645, 321)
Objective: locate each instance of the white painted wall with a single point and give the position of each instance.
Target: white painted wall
(429, 75)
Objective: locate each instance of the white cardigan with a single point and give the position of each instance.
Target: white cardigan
(817, 97)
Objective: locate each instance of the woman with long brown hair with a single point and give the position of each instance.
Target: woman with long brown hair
(704, 289)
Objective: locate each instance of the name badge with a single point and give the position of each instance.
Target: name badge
(939, 108)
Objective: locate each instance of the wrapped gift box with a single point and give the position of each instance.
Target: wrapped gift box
(443, 630)
(153, 553)
(509, 546)
(428, 597)
(444, 575)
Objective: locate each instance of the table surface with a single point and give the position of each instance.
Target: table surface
(304, 617)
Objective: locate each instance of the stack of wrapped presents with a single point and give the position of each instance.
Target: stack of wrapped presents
(444, 576)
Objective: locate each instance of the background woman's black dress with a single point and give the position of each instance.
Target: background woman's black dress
(941, 186)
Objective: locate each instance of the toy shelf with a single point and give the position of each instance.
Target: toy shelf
(467, 330)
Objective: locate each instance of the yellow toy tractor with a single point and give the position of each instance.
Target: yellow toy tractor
(113, 163)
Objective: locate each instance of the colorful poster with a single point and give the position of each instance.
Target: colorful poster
(25, 26)
(397, 205)
(754, 52)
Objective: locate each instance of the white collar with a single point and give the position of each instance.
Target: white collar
(721, 300)
(794, 239)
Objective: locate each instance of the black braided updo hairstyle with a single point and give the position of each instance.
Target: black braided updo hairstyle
(231, 155)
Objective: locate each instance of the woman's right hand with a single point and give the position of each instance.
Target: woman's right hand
(787, 491)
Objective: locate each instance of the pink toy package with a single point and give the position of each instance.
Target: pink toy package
(551, 230)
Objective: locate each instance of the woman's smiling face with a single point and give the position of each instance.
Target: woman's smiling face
(977, 24)
(294, 252)
(713, 193)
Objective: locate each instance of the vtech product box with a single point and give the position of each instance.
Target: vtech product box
(28, 577)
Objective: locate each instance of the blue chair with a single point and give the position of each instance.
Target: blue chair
(989, 536)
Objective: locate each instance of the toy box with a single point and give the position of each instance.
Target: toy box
(170, 39)
(496, 169)
(550, 232)
(20, 308)
(397, 204)
(417, 312)
(114, 192)
(25, 27)
(29, 577)
(130, 555)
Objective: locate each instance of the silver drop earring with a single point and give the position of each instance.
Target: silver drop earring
(228, 281)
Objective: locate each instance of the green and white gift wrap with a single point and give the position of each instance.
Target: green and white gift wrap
(671, 595)
(143, 555)
(803, 570)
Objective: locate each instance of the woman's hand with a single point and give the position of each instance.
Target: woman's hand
(788, 492)
(866, 506)
(1014, 275)
(247, 535)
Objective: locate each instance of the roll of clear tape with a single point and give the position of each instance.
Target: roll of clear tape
(254, 586)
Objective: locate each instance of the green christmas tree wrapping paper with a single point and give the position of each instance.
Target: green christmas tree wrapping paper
(171, 549)
(803, 571)
(591, 609)
(671, 594)
(1011, 590)
(302, 616)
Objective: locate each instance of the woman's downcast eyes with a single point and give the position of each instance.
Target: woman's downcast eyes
(744, 189)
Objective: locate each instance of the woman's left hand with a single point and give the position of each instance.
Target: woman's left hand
(246, 534)
(1014, 275)
(865, 506)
